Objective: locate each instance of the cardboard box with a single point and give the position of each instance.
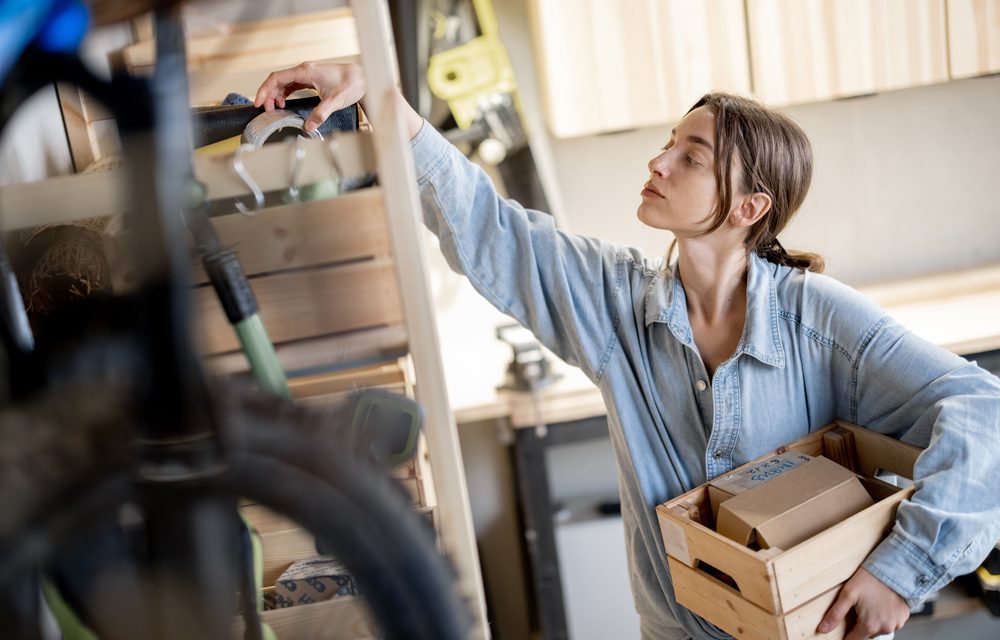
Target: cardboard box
(781, 593)
(793, 506)
(734, 483)
(313, 580)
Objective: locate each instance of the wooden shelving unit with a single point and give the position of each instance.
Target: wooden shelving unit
(341, 283)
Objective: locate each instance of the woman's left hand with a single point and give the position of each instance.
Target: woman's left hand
(879, 609)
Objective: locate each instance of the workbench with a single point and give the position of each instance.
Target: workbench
(959, 311)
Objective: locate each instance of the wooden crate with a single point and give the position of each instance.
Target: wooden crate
(782, 593)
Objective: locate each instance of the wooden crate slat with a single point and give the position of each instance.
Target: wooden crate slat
(344, 618)
(801, 623)
(208, 88)
(69, 197)
(282, 548)
(379, 375)
(78, 196)
(346, 228)
(271, 165)
(265, 520)
(689, 542)
(307, 304)
(876, 451)
(708, 597)
(808, 568)
(331, 26)
(378, 344)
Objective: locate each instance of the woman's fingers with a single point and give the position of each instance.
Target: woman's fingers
(879, 609)
(337, 85)
(324, 110)
(835, 615)
(272, 90)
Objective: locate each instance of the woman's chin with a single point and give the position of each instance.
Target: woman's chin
(647, 219)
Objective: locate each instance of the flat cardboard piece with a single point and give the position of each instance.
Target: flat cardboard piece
(313, 580)
(793, 506)
(734, 483)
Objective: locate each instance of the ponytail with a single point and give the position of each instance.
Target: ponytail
(777, 254)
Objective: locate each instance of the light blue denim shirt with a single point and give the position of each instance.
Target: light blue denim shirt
(812, 350)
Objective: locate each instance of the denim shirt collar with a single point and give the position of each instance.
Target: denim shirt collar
(666, 303)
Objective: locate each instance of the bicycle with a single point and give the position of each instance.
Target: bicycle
(113, 417)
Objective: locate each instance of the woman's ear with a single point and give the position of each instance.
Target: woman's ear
(751, 209)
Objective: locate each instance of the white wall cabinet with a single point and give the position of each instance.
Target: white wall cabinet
(607, 65)
(810, 50)
(973, 37)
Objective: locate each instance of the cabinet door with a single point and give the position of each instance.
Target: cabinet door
(809, 50)
(608, 65)
(973, 37)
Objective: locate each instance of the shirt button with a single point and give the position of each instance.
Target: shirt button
(701, 385)
(717, 454)
(923, 581)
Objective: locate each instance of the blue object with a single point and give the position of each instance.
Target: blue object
(56, 26)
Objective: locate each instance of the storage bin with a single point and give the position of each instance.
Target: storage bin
(783, 593)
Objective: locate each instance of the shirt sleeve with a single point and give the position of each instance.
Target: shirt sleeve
(920, 393)
(558, 285)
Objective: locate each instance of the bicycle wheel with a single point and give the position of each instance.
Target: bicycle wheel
(291, 460)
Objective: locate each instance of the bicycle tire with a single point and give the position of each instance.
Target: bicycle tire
(276, 454)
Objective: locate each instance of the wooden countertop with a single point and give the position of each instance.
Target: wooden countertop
(959, 311)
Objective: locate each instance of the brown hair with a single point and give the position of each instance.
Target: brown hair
(777, 160)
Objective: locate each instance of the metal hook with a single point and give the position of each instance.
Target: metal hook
(241, 171)
(332, 158)
(293, 186)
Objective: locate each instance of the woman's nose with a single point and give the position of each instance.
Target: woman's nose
(658, 164)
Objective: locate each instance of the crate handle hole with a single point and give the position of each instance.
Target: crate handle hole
(717, 574)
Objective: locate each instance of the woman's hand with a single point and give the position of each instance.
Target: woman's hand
(880, 609)
(338, 86)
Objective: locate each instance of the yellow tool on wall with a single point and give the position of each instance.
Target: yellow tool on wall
(464, 74)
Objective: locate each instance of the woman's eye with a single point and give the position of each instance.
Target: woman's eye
(688, 159)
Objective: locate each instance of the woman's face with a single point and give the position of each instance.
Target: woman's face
(681, 192)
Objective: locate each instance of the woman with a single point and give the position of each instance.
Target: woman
(734, 349)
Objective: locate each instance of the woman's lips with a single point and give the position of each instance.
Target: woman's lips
(648, 190)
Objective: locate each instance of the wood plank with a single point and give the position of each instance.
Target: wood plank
(208, 88)
(345, 618)
(690, 542)
(349, 227)
(935, 287)
(379, 375)
(78, 196)
(801, 623)
(307, 304)
(542, 407)
(282, 548)
(709, 598)
(336, 27)
(876, 451)
(973, 37)
(809, 50)
(271, 165)
(265, 520)
(607, 66)
(403, 210)
(810, 568)
(68, 197)
(379, 344)
(82, 142)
